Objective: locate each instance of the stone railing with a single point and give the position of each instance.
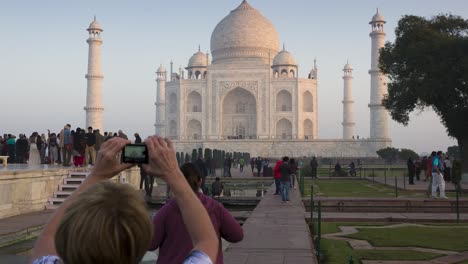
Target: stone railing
(25, 191)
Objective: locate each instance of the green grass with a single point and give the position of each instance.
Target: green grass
(453, 239)
(332, 227)
(335, 251)
(355, 188)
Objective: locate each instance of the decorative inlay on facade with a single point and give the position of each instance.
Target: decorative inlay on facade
(225, 87)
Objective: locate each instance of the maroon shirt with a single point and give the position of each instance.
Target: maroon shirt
(172, 238)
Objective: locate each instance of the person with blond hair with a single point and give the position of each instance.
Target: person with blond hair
(103, 222)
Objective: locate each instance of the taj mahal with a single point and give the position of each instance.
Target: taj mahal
(247, 96)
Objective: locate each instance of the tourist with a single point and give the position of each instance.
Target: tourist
(90, 150)
(252, 165)
(34, 156)
(258, 164)
(241, 164)
(124, 239)
(79, 145)
(437, 176)
(447, 169)
(137, 138)
(277, 176)
(203, 172)
(217, 188)
(229, 164)
(99, 140)
(121, 135)
(429, 166)
(225, 168)
(285, 180)
(21, 149)
(53, 151)
(293, 167)
(314, 166)
(173, 240)
(424, 167)
(42, 148)
(352, 169)
(410, 166)
(66, 145)
(265, 164)
(11, 147)
(337, 169)
(417, 168)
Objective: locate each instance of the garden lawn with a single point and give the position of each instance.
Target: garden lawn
(355, 188)
(443, 238)
(333, 227)
(336, 251)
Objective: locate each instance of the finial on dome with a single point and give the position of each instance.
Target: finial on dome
(284, 46)
(315, 62)
(199, 48)
(377, 11)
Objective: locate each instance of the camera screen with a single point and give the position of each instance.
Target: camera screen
(135, 154)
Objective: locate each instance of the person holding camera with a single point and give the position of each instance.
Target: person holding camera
(124, 239)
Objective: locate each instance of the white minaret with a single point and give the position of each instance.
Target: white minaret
(93, 106)
(160, 124)
(348, 103)
(378, 114)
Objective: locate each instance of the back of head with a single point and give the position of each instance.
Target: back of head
(107, 223)
(285, 159)
(292, 161)
(192, 175)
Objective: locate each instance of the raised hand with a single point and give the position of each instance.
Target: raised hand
(107, 163)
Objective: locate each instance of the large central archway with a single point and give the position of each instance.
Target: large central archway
(239, 115)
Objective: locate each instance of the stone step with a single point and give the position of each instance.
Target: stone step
(62, 194)
(78, 175)
(68, 187)
(57, 200)
(74, 180)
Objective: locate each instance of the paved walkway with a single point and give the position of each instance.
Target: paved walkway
(275, 233)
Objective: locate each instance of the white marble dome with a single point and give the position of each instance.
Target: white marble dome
(198, 60)
(244, 33)
(284, 57)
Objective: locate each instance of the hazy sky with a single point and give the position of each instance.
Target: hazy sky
(44, 58)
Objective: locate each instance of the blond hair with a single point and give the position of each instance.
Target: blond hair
(107, 223)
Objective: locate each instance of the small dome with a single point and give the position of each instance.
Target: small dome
(377, 18)
(198, 60)
(94, 25)
(348, 67)
(161, 68)
(284, 57)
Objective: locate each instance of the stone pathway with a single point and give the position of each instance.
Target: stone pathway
(451, 256)
(275, 233)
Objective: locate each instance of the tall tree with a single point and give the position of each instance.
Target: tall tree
(407, 153)
(427, 66)
(389, 154)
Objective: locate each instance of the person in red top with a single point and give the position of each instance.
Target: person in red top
(170, 234)
(277, 176)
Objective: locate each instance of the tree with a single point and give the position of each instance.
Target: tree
(454, 152)
(194, 155)
(427, 66)
(407, 153)
(389, 154)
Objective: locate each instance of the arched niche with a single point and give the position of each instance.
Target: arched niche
(194, 102)
(194, 129)
(283, 101)
(307, 103)
(239, 114)
(284, 129)
(173, 103)
(308, 129)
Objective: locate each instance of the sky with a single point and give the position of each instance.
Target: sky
(44, 58)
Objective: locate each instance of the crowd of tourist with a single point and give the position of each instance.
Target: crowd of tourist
(67, 147)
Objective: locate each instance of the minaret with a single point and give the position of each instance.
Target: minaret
(378, 113)
(161, 102)
(93, 106)
(348, 109)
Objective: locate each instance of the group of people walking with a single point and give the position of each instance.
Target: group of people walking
(435, 167)
(285, 177)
